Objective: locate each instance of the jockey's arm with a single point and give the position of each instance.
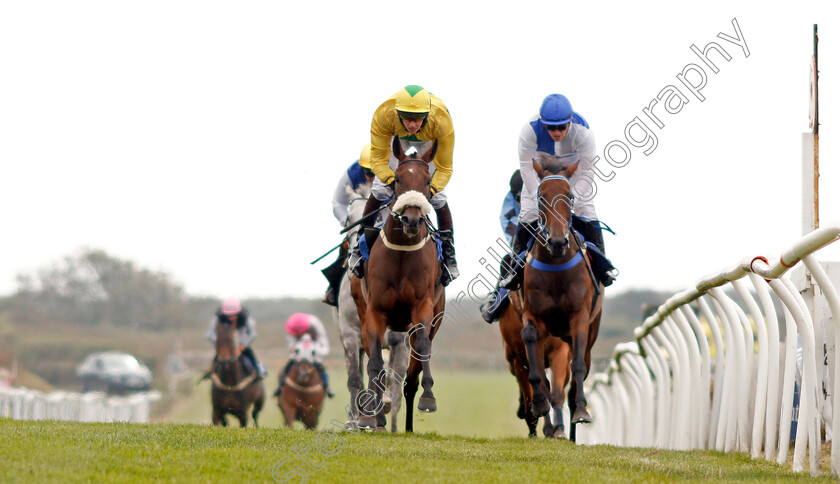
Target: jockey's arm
(248, 333)
(527, 152)
(322, 345)
(340, 200)
(443, 161)
(381, 132)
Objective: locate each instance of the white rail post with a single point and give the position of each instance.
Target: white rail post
(663, 389)
(772, 406)
(684, 397)
(676, 382)
(649, 396)
(830, 293)
(717, 399)
(741, 286)
(807, 400)
(705, 399)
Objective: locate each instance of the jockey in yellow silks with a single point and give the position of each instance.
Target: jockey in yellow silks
(418, 118)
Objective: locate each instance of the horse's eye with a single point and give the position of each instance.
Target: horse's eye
(428, 182)
(396, 180)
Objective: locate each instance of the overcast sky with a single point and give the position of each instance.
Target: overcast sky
(205, 138)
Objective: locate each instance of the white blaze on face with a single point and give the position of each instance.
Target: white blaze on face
(412, 198)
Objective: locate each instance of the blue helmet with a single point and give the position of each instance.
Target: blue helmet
(556, 109)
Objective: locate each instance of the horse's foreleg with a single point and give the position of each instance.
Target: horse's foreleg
(579, 370)
(217, 416)
(422, 351)
(536, 368)
(559, 362)
(372, 415)
(258, 404)
(412, 381)
(398, 362)
(352, 343)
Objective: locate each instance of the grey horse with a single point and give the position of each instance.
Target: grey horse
(351, 330)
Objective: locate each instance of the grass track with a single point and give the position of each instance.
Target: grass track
(76, 452)
(474, 403)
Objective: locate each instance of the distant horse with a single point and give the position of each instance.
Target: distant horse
(303, 391)
(560, 292)
(350, 327)
(556, 357)
(401, 289)
(233, 390)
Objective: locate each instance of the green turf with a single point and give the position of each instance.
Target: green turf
(76, 452)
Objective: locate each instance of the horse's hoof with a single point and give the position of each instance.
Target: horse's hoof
(381, 429)
(560, 433)
(386, 408)
(581, 416)
(427, 404)
(540, 408)
(366, 422)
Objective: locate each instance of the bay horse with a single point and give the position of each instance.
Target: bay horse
(350, 328)
(233, 391)
(560, 292)
(303, 392)
(401, 289)
(556, 357)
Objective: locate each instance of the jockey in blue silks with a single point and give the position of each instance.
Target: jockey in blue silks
(509, 219)
(357, 175)
(559, 132)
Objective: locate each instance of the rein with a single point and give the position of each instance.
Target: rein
(232, 388)
(542, 226)
(309, 389)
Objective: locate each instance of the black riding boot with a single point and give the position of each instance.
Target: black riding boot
(444, 218)
(283, 376)
(492, 309)
(524, 233)
(601, 266)
(334, 273)
(356, 264)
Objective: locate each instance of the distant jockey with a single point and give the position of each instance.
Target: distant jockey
(358, 175)
(246, 328)
(298, 325)
(509, 218)
(560, 132)
(418, 118)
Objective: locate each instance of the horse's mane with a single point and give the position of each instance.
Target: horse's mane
(555, 164)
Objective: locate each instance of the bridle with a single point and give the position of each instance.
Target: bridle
(398, 215)
(543, 226)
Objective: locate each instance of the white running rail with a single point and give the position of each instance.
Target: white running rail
(705, 371)
(25, 404)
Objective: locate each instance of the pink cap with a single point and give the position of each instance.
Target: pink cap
(231, 307)
(298, 324)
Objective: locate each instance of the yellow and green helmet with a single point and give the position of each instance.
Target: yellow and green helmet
(413, 102)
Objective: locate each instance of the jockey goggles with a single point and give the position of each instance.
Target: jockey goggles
(556, 127)
(412, 116)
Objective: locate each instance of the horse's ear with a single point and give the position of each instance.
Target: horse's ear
(570, 170)
(396, 149)
(430, 155)
(538, 168)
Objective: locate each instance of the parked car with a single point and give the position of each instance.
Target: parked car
(113, 372)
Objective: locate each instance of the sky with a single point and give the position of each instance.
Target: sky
(205, 138)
